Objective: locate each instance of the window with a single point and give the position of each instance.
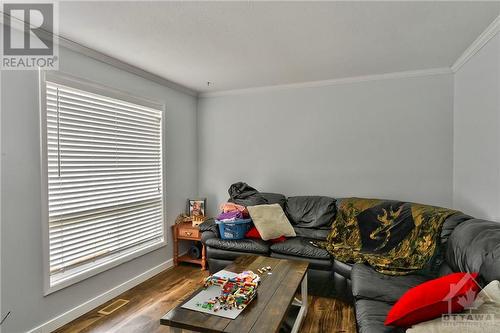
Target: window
(102, 155)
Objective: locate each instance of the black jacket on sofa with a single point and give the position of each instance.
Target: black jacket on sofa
(468, 244)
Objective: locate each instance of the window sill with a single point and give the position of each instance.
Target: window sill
(71, 279)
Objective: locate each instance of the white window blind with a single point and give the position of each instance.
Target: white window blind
(105, 187)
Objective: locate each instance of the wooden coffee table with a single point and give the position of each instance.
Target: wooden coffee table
(266, 313)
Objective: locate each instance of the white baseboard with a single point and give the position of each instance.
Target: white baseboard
(81, 309)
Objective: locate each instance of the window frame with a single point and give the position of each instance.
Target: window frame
(92, 87)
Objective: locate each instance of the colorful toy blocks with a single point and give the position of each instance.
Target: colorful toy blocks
(236, 292)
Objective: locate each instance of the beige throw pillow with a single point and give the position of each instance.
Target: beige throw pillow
(271, 221)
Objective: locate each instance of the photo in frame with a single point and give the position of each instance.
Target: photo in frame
(196, 207)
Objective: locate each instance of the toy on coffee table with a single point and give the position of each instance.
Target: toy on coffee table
(236, 292)
(266, 269)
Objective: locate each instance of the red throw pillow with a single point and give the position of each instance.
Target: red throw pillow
(434, 298)
(254, 233)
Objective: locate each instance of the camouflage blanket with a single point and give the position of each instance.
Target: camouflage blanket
(394, 237)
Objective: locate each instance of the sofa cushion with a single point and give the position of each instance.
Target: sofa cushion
(490, 269)
(242, 245)
(311, 211)
(300, 247)
(450, 224)
(369, 284)
(370, 317)
(444, 269)
(317, 264)
(226, 255)
(342, 268)
(474, 246)
(343, 287)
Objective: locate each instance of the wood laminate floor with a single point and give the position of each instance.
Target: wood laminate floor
(150, 300)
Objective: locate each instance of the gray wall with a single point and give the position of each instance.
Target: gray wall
(388, 138)
(477, 134)
(21, 233)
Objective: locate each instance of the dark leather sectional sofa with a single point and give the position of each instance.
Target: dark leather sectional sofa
(468, 244)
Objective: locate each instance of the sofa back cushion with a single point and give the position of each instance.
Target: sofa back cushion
(318, 234)
(449, 226)
(274, 198)
(311, 211)
(474, 246)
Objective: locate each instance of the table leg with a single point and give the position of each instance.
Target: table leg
(203, 257)
(303, 294)
(176, 248)
(303, 305)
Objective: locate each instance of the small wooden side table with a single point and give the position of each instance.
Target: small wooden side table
(186, 231)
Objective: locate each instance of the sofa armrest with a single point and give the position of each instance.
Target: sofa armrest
(209, 230)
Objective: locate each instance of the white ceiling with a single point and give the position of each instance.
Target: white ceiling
(249, 44)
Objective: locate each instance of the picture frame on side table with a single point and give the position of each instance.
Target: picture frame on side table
(196, 207)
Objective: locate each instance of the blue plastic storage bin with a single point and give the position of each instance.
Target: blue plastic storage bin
(234, 229)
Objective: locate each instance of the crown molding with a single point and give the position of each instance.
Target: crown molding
(324, 83)
(107, 59)
(102, 57)
(478, 44)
